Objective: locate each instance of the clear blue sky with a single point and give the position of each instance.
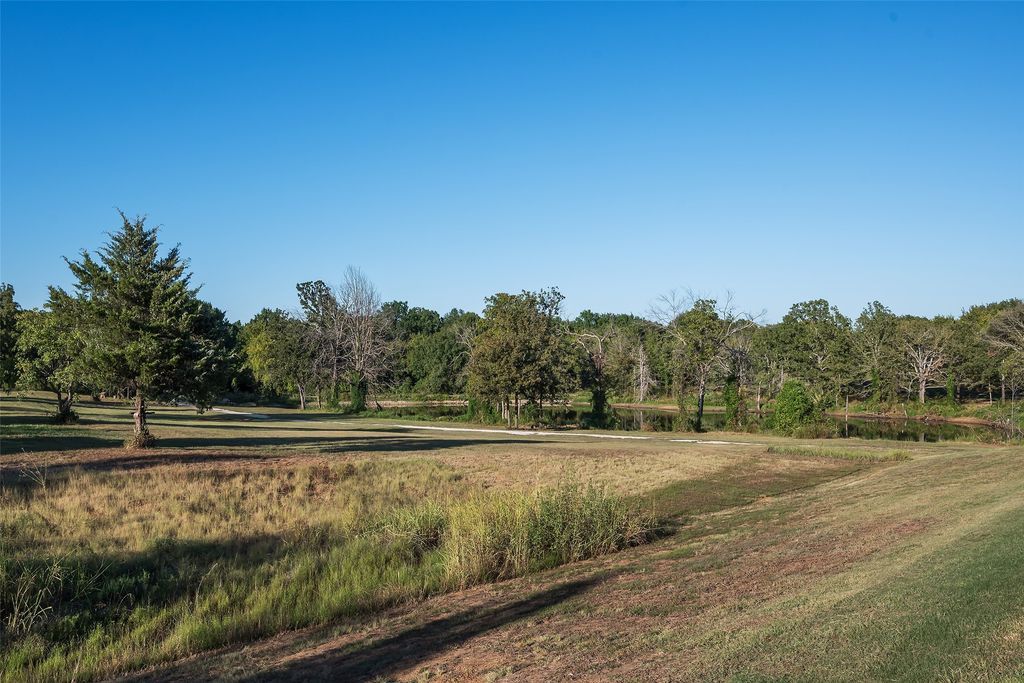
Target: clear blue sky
(784, 151)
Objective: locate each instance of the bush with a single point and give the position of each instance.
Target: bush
(794, 408)
(483, 411)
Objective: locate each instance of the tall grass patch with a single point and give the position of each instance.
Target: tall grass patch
(865, 455)
(494, 538)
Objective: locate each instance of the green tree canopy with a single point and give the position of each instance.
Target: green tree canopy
(278, 353)
(818, 341)
(877, 351)
(519, 352)
(51, 344)
(145, 328)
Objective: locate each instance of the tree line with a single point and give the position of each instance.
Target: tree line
(135, 328)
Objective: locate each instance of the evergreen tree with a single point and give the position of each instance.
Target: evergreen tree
(146, 331)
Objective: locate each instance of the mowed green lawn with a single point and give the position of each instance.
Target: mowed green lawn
(296, 546)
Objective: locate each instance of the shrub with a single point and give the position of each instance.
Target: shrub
(794, 408)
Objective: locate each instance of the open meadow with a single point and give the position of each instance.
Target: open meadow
(297, 545)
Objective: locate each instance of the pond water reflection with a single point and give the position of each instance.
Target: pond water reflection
(631, 420)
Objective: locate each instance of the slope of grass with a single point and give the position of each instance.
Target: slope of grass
(105, 572)
(244, 528)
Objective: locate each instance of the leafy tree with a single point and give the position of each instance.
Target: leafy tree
(767, 355)
(877, 352)
(435, 362)
(145, 328)
(519, 352)
(593, 344)
(701, 333)
(9, 311)
(277, 352)
(817, 341)
(1012, 368)
(794, 408)
(407, 322)
(973, 361)
(734, 407)
(50, 352)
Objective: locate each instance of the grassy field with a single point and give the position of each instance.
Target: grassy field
(304, 545)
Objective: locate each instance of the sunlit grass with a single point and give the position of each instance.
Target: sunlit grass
(105, 572)
(864, 454)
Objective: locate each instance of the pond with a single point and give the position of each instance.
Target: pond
(631, 420)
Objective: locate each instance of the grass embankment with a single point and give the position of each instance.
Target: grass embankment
(239, 528)
(105, 572)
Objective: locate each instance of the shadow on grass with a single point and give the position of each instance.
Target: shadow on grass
(379, 659)
(329, 444)
(738, 485)
(169, 451)
(49, 443)
(90, 590)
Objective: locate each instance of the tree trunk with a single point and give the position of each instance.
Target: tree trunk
(140, 414)
(302, 397)
(358, 390)
(990, 394)
(700, 406)
(64, 412)
(922, 387)
(598, 403)
(758, 400)
(1002, 388)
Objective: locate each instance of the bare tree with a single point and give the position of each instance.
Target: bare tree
(349, 334)
(924, 347)
(643, 379)
(366, 348)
